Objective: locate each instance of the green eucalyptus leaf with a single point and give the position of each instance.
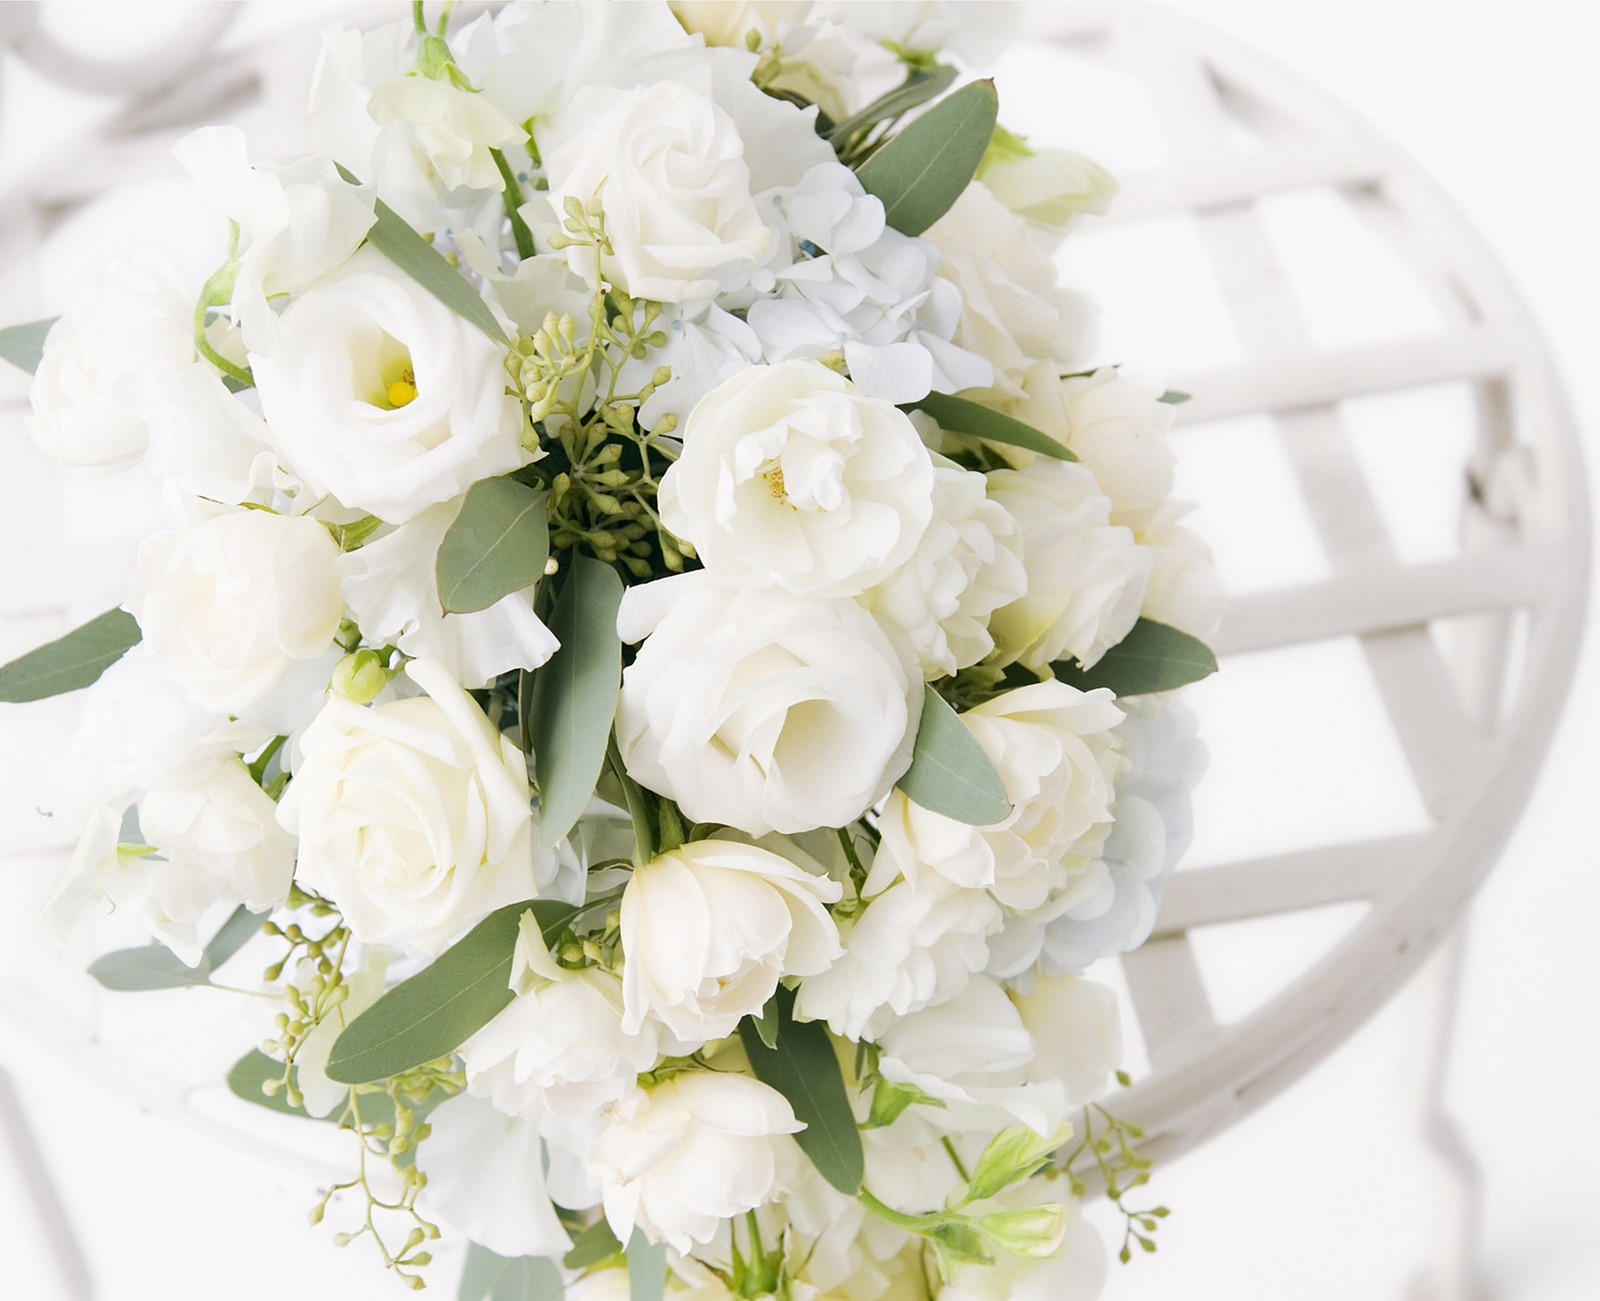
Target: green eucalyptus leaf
(488, 1277)
(155, 966)
(920, 86)
(1174, 397)
(804, 1068)
(647, 1268)
(767, 1023)
(72, 662)
(433, 1013)
(253, 1070)
(575, 695)
(23, 345)
(240, 928)
(960, 416)
(950, 773)
(497, 545)
(923, 169)
(1153, 657)
(418, 258)
(593, 1246)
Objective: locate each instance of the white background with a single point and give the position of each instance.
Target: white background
(1330, 1192)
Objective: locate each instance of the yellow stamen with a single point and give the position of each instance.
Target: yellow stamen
(403, 390)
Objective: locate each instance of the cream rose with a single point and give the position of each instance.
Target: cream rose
(84, 395)
(382, 396)
(705, 1146)
(1053, 748)
(790, 476)
(668, 167)
(1086, 576)
(710, 927)
(413, 816)
(228, 605)
(761, 710)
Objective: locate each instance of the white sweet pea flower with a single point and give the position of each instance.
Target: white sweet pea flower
(230, 604)
(1077, 1272)
(486, 1178)
(1050, 188)
(704, 1146)
(454, 129)
(321, 1096)
(1077, 1025)
(87, 412)
(1056, 755)
(392, 593)
(760, 710)
(967, 565)
(789, 475)
(729, 22)
(914, 945)
(667, 165)
(413, 816)
(295, 224)
(560, 1044)
(710, 927)
(205, 442)
(383, 397)
(1086, 576)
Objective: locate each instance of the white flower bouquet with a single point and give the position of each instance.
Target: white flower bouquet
(655, 641)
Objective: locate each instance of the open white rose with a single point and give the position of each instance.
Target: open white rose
(710, 927)
(560, 1044)
(678, 1159)
(1053, 748)
(413, 816)
(668, 167)
(382, 396)
(1086, 576)
(137, 320)
(789, 475)
(229, 604)
(761, 710)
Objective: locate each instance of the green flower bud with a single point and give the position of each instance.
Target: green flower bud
(360, 676)
(1012, 1155)
(1034, 1232)
(1049, 188)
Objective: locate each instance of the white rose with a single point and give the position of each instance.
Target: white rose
(560, 1043)
(393, 596)
(710, 927)
(1054, 750)
(454, 129)
(668, 167)
(761, 710)
(789, 475)
(295, 224)
(382, 396)
(1185, 589)
(84, 394)
(966, 567)
(229, 604)
(1118, 426)
(1013, 313)
(413, 816)
(1086, 576)
(1050, 188)
(912, 947)
(680, 1158)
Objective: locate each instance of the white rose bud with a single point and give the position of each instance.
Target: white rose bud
(382, 396)
(1053, 748)
(709, 928)
(668, 167)
(413, 816)
(790, 475)
(84, 393)
(761, 710)
(229, 604)
(680, 1158)
(1086, 576)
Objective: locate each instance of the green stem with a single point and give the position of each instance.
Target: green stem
(419, 20)
(513, 201)
(644, 836)
(203, 346)
(956, 1159)
(921, 1224)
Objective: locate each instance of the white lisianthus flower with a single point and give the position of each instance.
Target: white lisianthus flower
(295, 224)
(454, 129)
(1086, 576)
(710, 927)
(678, 1159)
(1054, 750)
(913, 946)
(229, 604)
(413, 816)
(1050, 188)
(760, 710)
(967, 565)
(383, 397)
(1013, 313)
(85, 393)
(790, 476)
(560, 1044)
(393, 596)
(667, 164)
